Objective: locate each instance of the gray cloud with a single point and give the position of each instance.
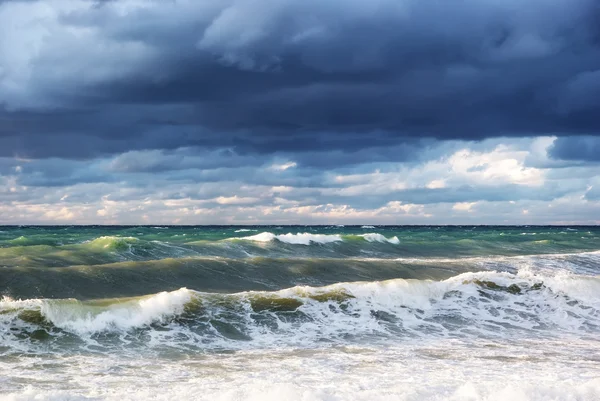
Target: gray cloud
(579, 148)
(293, 76)
(299, 110)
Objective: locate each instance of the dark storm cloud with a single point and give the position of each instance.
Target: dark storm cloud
(297, 76)
(584, 148)
(426, 196)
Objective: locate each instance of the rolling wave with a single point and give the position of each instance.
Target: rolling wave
(132, 278)
(101, 250)
(349, 309)
(482, 304)
(60, 247)
(125, 277)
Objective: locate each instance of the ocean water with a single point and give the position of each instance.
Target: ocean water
(300, 313)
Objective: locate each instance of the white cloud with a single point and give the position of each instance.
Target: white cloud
(502, 165)
(436, 184)
(283, 166)
(477, 184)
(235, 200)
(464, 206)
(466, 167)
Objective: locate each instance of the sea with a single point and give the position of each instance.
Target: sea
(300, 313)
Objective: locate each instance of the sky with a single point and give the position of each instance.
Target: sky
(300, 112)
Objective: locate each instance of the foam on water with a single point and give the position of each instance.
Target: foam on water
(470, 305)
(296, 239)
(308, 238)
(261, 390)
(479, 372)
(374, 237)
(86, 319)
(522, 324)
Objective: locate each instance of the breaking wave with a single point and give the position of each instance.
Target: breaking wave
(309, 238)
(373, 237)
(482, 304)
(299, 312)
(296, 239)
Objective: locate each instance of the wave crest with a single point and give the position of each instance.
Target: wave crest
(374, 237)
(89, 318)
(308, 238)
(483, 304)
(111, 243)
(295, 239)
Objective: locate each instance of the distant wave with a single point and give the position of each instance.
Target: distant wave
(111, 243)
(297, 239)
(19, 240)
(374, 237)
(243, 230)
(308, 238)
(100, 250)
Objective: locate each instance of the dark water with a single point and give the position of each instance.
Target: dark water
(101, 262)
(201, 288)
(299, 313)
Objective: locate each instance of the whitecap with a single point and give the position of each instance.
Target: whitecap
(374, 237)
(295, 239)
(85, 319)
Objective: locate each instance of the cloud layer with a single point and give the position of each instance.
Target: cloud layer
(411, 111)
(489, 182)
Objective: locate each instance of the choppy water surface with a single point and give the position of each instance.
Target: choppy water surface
(296, 312)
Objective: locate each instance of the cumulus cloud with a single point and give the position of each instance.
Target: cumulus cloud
(580, 148)
(488, 182)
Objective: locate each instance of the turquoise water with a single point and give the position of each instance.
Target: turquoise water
(210, 300)
(101, 262)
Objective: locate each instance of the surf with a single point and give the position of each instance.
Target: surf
(468, 305)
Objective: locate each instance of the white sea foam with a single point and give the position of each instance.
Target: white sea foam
(244, 230)
(580, 262)
(367, 227)
(436, 371)
(374, 237)
(296, 239)
(485, 302)
(84, 318)
(262, 237)
(308, 238)
(463, 339)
